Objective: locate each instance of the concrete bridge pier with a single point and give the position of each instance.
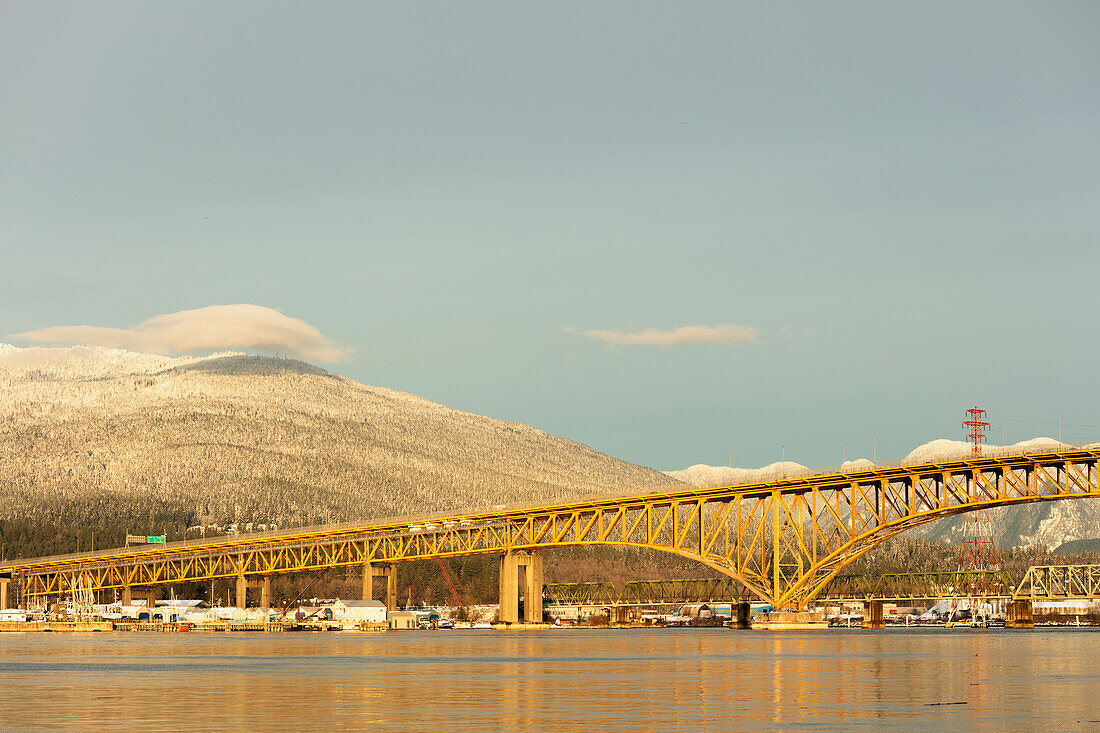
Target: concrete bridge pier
(508, 587)
(389, 572)
(243, 584)
(1019, 616)
(126, 596)
(532, 590)
(510, 564)
(872, 615)
(742, 615)
(4, 592)
(619, 615)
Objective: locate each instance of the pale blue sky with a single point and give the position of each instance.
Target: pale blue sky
(902, 200)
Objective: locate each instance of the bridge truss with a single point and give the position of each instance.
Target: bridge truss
(580, 594)
(647, 592)
(784, 540)
(1060, 582)
(1040, 583)
(984, 584)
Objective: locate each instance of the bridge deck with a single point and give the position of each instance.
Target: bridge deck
(783, 539)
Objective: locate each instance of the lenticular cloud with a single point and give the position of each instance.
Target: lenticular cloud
(204, 330)
(724, 334)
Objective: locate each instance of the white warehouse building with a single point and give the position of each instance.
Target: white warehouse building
(356, 611)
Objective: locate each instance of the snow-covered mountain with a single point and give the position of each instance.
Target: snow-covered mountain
(949, 450)
(703, 475)
(90, 434)
(96, 435)
(1047, 524)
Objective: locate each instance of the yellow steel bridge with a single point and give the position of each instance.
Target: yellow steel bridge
(784, 540)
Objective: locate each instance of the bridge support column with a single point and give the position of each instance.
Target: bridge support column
(263, 583)
(390, 571)
(532, 588)
(510, 565)
(127, 596)
(151, 598)
(1019, 616)
(742, 615)
(4, 592)
(619, 615)
(509, 589)
(241, 598)
(368, 582)
(872, 615)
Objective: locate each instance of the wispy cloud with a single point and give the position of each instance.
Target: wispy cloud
(722, 334)
(204, 330)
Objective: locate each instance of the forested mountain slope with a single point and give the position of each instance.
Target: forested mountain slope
(105, 438)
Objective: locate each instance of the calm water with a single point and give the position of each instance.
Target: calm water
(697, 679)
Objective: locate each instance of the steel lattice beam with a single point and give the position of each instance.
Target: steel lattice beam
(647, 592)
(580, 594)
(783, 540)
(1060, 582)
(919, 586)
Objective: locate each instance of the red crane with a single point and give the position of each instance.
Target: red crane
(450, 582)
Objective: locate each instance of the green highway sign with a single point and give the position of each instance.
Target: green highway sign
(151, 539)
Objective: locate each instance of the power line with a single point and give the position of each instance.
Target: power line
(1041, 422)
(910, 441)
(1031, 433)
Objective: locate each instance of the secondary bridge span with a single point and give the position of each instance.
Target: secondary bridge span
(664, 592)
(1039, 583)
(784, 540)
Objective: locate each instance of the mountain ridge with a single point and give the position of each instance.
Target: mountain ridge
(89, 434)
(105, 437)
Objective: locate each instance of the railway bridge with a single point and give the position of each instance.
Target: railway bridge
(783, 540)
(1039, 583)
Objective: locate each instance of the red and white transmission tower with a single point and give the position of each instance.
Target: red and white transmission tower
(978, 551)
(978, 426)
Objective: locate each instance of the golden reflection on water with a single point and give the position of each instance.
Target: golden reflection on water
(692, 679)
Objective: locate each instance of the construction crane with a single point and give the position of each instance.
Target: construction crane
(450, 582)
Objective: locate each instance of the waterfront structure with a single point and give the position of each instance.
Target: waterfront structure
(784, 540)
(402, 620)
(359, 611)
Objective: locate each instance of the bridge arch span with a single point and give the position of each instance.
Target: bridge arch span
(783, 539)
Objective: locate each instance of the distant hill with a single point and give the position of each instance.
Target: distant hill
(110, 438)
(1046, 524)
(1076, 547)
